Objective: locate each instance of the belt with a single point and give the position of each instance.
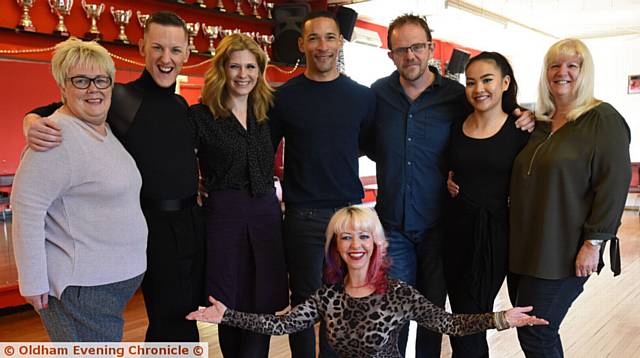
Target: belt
(168, 204)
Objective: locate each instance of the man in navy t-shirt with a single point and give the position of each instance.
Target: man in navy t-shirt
(320, 114)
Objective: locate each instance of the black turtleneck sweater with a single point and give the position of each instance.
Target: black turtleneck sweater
(160, 139)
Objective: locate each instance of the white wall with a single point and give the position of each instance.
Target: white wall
(365, 64)
(615, 59)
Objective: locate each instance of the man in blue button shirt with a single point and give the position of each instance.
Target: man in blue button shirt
(415, 107)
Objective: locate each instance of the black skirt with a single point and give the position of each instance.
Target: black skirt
(245, 255)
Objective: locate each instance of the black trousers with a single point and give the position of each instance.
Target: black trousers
(240, 343)
(551, 300)
(173, 285)
(304, 231)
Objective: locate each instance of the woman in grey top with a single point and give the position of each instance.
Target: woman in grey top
(568, 190)
(79, 233)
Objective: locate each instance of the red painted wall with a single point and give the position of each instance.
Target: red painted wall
(381, 30)
(27, 80)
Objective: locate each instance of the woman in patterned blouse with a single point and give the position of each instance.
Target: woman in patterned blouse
(362, 308)
(245, 254)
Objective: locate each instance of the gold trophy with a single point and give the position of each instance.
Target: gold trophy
(93, 12)
(25, 23)
(61, 8)
(121, 18)
(193, 29)
(200, 4)
(255, 4)
(211, 32)
(238, 7)
(220, 7)
(142, 19)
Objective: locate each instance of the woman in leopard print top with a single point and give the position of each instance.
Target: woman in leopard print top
(362, 309)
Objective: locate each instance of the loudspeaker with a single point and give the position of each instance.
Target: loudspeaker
(347, 20)
(288, 19)
(458, 61)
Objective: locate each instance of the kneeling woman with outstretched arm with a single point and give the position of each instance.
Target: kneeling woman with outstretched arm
(362, 308)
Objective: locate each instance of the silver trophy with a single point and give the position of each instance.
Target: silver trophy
(225, 32)
(200, 4)
(238, 7)
(25, 23)
(269, 7)
(254, 4)
(61, 8)
(193, 29)
(93, 12)
(252, 35)
(121, 18)
(220, 7)
(142, 19)
(266, 41)
(211, 32)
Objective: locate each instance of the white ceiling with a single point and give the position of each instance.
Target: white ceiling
(554, 18)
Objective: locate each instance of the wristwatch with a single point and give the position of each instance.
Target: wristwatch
(594, 242)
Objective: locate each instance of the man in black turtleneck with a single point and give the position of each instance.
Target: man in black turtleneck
(151, 122)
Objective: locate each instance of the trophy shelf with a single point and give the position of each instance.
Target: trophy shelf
(228, 14)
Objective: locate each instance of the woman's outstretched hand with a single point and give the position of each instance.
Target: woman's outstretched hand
(517, 317)
(211, 314)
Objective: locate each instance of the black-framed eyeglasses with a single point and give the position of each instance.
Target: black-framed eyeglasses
(417, 49)
(83, 82)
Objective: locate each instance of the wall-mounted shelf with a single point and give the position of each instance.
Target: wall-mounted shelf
(229, 14)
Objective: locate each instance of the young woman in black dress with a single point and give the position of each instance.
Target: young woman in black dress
(482, 149)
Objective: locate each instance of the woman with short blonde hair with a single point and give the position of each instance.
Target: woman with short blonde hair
(80, 236)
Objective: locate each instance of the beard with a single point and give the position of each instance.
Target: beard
(413, 73)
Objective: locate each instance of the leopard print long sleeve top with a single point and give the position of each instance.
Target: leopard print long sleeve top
(367, 326)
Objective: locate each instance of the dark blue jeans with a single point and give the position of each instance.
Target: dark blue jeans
(416, 258)
(551, 299)
(304, 239)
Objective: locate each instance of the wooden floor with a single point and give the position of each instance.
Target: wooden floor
(603, 322)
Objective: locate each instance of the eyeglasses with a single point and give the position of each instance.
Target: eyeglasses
(417, 49)
(83, 82)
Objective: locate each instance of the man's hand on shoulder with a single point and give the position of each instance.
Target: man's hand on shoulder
(42, 134)
(526, 120)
